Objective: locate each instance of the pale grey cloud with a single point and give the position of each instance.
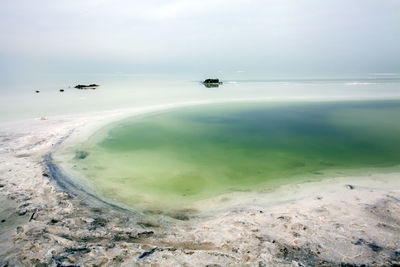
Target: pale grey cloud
(267, 35)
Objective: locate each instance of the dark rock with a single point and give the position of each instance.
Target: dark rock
(66, 237)
(119, 237)
(145, 234)
(98, 222)
(374, 247)
(61, 90)
(147, 253)
(45, 174)
(211, 81)
(1, 185)
(395, 256)
(32, 216)
(81, 154)
(82, 250)
(303, 256)
(371, 245)
(349, 186)
(38, 263)
(131, 236)
(22, 212)
(117, 260)
(360, 241)
(54, 221)
(90, 86)
(3, 220)
(111, 245)
(37, 91)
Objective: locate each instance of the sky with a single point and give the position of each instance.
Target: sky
(172, 36)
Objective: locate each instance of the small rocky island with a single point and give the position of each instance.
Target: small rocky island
(209, 83)
(90, 86)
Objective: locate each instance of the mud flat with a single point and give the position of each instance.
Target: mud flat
(51, 221)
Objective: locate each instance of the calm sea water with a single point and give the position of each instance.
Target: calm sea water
(117, 91)
(174, 158)
(194, 153)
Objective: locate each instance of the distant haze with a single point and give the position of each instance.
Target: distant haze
(173, 36)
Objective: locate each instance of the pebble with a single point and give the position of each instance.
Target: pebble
(20, 229)
(349, 186)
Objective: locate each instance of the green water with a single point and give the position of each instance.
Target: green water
(179, 156)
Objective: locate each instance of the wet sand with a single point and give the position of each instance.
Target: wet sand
(345, 220)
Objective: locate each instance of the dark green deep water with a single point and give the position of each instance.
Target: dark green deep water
(186, 154)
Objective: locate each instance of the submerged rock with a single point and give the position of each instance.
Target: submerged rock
(81, 154)
(20, 229)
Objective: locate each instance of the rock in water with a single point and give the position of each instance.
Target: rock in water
(211, 81)
(81, 154)
(90, 86)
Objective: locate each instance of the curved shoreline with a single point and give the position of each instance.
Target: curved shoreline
(70, 171)
(67, 185)
(325, 223)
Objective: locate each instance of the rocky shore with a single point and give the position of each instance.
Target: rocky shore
(351, 221)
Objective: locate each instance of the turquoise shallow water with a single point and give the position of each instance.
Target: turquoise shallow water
(170, 159)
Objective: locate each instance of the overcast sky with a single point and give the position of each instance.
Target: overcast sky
(272, 36)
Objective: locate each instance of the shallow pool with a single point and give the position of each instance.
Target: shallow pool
(170, 159)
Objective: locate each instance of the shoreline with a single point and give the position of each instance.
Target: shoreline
(331, 226)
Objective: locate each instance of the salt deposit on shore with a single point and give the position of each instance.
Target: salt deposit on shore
(347, 220)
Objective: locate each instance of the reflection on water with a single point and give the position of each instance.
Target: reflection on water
(118, 91)
(211, 85)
